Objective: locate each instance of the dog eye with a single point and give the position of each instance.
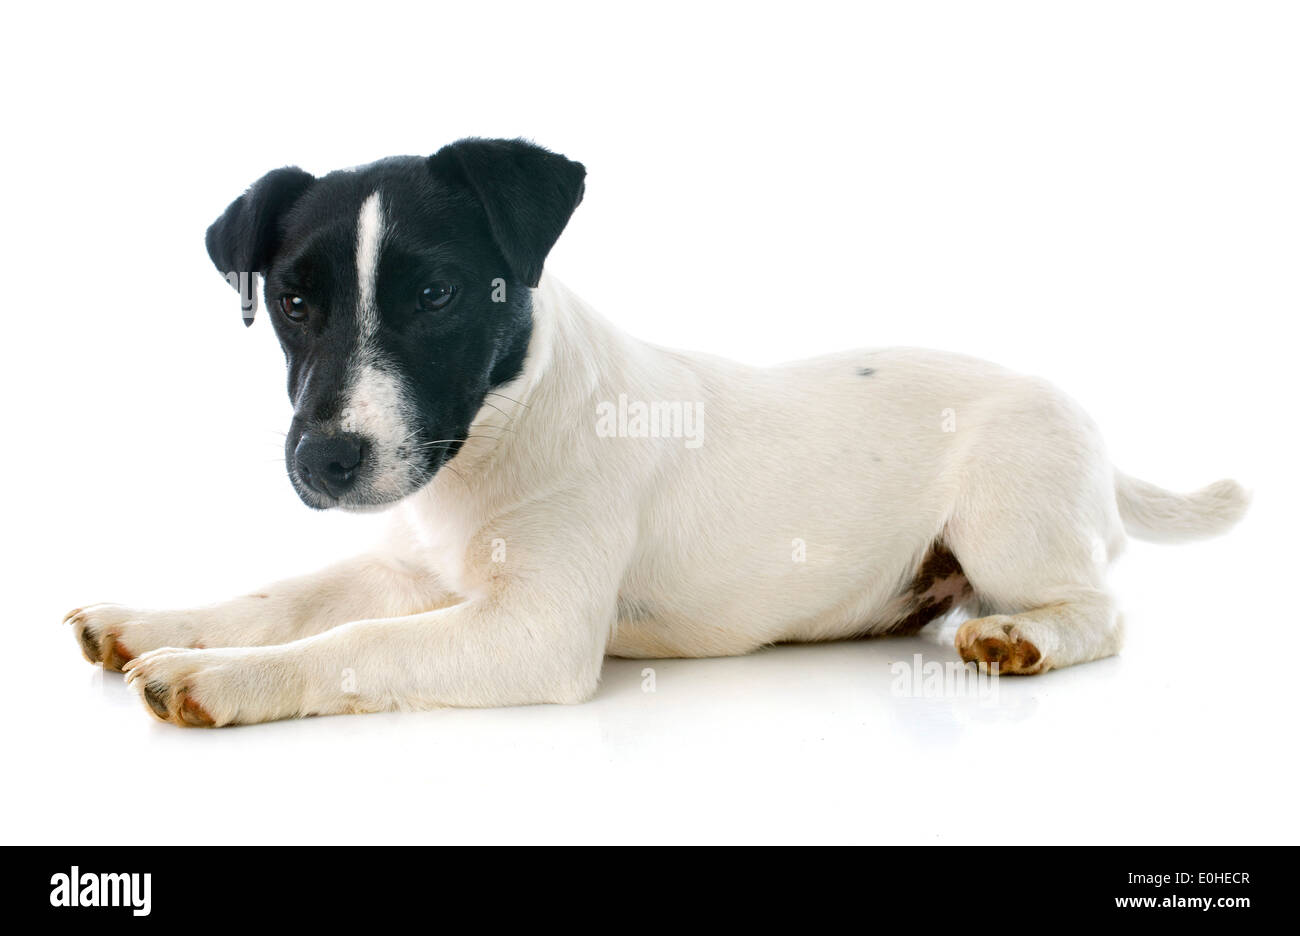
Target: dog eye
(294, 308)
(436, 297)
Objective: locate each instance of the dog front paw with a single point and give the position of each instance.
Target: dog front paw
(167, 680)
(100, 630)
(211, 688)
(184, 687)
(114, 635)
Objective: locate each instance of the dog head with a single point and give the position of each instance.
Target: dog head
(400, 292)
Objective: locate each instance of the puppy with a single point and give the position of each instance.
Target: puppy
(561, 491)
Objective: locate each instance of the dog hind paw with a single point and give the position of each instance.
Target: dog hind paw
(997, 639)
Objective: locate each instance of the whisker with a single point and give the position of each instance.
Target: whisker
(510, 398)
(497, 408)
(440, 441)
(466, 439)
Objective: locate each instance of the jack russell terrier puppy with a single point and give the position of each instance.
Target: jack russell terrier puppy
(562, 491)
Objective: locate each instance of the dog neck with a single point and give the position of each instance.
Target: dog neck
(572, 354)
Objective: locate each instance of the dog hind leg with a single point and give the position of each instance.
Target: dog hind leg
(1034, 527)
(1075, 630)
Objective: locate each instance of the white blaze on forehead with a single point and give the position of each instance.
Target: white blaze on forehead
(377, 407)
(370, 236)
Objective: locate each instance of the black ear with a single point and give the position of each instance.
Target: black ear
(243, 241)
(528, 193)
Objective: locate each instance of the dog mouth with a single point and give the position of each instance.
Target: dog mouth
(377, 480)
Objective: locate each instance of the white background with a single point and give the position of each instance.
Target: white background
(1104, 194)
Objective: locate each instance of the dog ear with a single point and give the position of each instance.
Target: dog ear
(528, 192)
(243, 241)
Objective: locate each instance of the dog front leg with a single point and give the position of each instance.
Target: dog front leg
(512, 650)
(363, 587)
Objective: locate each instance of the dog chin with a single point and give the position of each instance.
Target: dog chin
(366, 508)
(312, 499)
(367, 499)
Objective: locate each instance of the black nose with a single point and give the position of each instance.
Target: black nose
(328, 463)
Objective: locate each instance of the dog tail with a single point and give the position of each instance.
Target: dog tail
(1161, 516)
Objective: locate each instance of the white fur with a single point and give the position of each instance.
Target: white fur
(378, 409)
(1151, 513)
(370, 239)
(804, 515)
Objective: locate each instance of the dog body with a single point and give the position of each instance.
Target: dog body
(561, 491)
(821, 532)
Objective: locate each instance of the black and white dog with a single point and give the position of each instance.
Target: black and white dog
(562, 491)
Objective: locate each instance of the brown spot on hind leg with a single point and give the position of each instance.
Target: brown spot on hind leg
(923, 615)
(938, 586)
(997, 639)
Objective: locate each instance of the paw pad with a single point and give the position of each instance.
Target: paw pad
(1002, 644)
(156, 697)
